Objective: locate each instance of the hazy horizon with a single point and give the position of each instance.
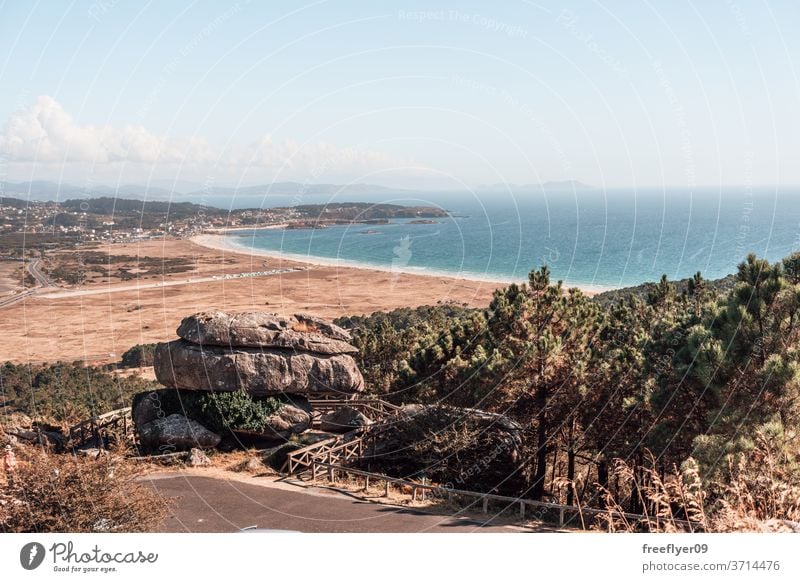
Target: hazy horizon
(227, 194)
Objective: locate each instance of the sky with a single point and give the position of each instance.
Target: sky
(429, 95)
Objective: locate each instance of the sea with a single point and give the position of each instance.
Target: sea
(590, 238)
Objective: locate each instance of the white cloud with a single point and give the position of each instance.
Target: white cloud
(44, 133)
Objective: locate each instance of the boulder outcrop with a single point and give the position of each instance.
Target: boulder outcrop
(245, 375)
(243, 417)
(343, 419)
(19, 427)
(260, 372)
(264, 330)
(177, 433)
(288, 420)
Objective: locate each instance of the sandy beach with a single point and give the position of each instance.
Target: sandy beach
(228, 244)
(97, 321)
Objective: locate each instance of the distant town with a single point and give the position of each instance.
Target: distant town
(29, 228)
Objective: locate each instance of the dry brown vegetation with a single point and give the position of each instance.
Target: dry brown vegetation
(762, 494)
(59, 493)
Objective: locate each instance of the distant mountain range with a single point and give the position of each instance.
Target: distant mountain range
(185, 191)
(167, 190)
(52, 191)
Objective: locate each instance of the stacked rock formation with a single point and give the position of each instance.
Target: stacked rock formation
(260, 354)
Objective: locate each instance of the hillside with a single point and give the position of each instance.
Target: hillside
(365, 211)
(642, 291)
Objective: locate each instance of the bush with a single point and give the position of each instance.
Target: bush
(760, 492)
(237, 411)
(217, 411)
(762, 487)
(139, 356)
(65, 392)
(63, 493)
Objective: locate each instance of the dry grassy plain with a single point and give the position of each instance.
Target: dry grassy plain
(102, 318)
(10, 278)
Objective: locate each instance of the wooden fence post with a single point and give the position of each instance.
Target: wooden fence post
(386, 492)
(486, 505)
(522, 510)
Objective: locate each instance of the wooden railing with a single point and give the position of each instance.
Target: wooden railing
(416, 490)
(96, 428)
(374, 409)
(332, 450)
(345, 447)
(331, 456)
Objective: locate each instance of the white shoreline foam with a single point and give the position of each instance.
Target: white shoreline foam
(223, 242)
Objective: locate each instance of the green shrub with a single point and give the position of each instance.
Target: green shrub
(236, 411)
(65, 392)
(138, 356)
(217, 411)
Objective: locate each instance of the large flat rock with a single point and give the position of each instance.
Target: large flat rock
(176, 433)
(261, 330)
(259, 371)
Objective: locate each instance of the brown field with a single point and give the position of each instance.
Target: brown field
(102, 318)
(10, 279)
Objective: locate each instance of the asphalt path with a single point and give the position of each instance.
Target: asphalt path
(210, 504)
(36, 273)
(33, 268)
(62, 294)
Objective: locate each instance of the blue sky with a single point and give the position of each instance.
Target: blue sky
(412, 94)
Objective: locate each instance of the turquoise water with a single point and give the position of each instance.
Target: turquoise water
(592, 238)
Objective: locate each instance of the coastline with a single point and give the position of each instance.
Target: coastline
(225, 229)
(221, 242)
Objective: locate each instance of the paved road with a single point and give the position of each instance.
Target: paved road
(9, 301)
(207, 504)
(49, 291)
(33, 268)
(61, 294)
(44, 291)
(36, 273)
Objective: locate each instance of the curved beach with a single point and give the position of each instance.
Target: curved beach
(225, 243)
